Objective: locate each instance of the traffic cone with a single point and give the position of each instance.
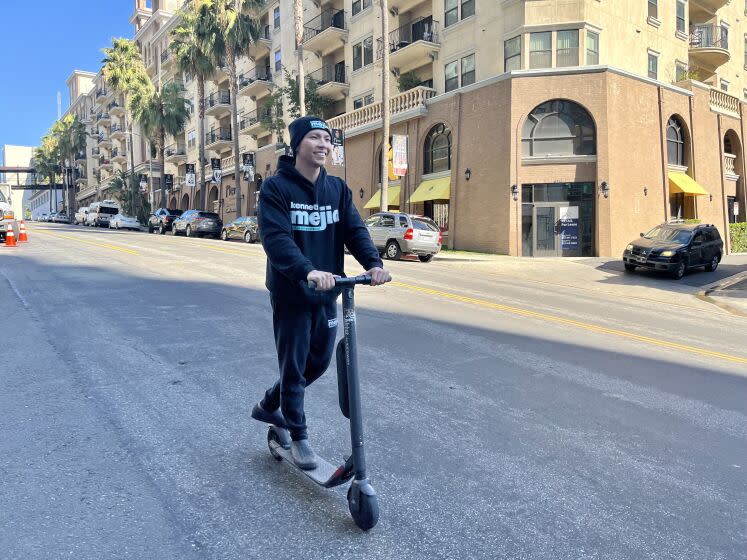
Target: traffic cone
(10, 237)
(22, 237)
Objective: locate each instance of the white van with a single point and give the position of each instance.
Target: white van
(81, 215)
(99, 213)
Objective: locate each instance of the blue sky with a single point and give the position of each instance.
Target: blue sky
(41, 49)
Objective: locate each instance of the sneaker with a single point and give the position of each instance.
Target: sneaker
(302, 454)
(275, 417)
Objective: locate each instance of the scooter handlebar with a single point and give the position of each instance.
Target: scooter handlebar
(340, 281)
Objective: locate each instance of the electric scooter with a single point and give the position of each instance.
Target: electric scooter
(362, 501)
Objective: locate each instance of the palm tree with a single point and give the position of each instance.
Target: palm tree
(237, 28)
(117, 186)
(160, 113)
(46, 158)
(125, 72)
(192, 44)
(71, 138)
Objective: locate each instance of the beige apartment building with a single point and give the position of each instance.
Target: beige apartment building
(534, 127)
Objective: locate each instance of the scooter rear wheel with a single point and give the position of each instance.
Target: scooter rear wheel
(272, 436)
(365, 513)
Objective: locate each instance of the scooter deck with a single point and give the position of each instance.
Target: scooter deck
(325, 474)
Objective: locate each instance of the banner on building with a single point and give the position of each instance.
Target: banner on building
(399, 154)
(168, 180)
(569, 234)
(248, 165)
(338, 147)
(143, 182)
(217, 172)
(189, 176)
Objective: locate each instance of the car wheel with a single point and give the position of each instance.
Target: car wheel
(248, 237)
(710, 267)
(173, 230)
(425, 258)
(150, 229)
(224, 235)
(161, 229)
(679, 272)
(393, 251)
(629, 267)
(189, 231)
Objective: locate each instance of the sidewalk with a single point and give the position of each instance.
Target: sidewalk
(726, 287)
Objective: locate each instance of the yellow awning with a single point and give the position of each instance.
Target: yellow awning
(432, 189)
(392, 195)
(682, 182)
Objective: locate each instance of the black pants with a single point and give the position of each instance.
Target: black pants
(305, 342)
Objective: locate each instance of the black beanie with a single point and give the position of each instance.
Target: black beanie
(302, 126)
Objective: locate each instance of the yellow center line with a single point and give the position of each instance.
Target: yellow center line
(570, 322)
(85, 241)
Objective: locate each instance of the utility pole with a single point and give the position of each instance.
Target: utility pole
(385, 106)
(298, 22)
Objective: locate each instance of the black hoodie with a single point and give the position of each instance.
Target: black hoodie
(305, 227)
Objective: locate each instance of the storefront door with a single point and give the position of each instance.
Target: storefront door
(547, 229)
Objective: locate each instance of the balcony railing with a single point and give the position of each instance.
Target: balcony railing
(729, 169)
(95, 152)
(423, 29)
(709, 37)
(165, 55)
(222, 134)
(257, 73)
(103, 117)
(722, 102)
(116, 128)
(328, 18)
(114, 105)
(175, 150)
(101, 92)
(329, 73)
(253, 117)
(220, 97)
(410, 100)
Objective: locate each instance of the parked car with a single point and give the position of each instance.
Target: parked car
(197, 223)
(675, 248)
(395, 233)
(162, 219)
(80, 215)
(120, 221)
(99, 213)
(60, 218)
(243, 227)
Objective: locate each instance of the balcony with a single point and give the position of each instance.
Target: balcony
(103, 118)
(176, 153)
(406, 105)
(703, 10)
(709, 47)
(101, 94)
(218, 103)
(104, 141)
(262, 46)
(251, 123)
(105, 163)
(119, 156)
(80, 157)
(219, 139)
(722, 102)
(412, 45)
(167, 60)
(95, 153)
(331, 81)
(257, 83)
(116, 108)
(118, 132)
(729, 167)
(326, 32)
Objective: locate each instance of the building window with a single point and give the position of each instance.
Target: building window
(653, 9)
(653, 66)
(360, 5)
(724, 85)
(592, 48)
(191, 139)
(558, 128)
(363, 53)
(276, 17)
(680, 16)
(278, 63)
(512, 54)
(680, 71)
(363, 101)
(451, 73)
(540, 50)
(567, 46)
(675, 142)
(454, 10)
(437, 150)
(468, 70)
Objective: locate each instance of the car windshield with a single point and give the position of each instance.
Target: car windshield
(110, 211)
(427, 225)
(671, 235)
(174, 212)
(2, 197)
(212, 215)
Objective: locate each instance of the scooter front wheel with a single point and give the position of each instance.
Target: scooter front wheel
(273, 437)
(363, 506)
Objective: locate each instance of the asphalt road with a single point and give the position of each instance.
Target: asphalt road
(504, 418)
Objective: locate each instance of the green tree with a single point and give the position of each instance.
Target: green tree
(237, 27)
(46, 163)
(193, 43)
(160, 113)
(70, 133)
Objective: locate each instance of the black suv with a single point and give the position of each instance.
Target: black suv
(162, 219)
(674, 248)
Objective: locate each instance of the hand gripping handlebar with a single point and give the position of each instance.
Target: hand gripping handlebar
(339, 281)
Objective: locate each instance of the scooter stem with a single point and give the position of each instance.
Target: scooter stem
(354, 394)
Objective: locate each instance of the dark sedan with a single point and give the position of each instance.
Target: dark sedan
(243, 227)
(161, 220)
(196, 223)
(675, 248)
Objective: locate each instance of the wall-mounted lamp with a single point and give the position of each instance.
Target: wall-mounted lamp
(515, 192)
(361, 193)
(710, 196)
(467, 174)
(604, 188)
(645, 191)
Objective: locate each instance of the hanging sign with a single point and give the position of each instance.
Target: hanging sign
(399, 154)
(338, 147)
(248, 165)
(168, 180)
(189, 176)
(217, 172)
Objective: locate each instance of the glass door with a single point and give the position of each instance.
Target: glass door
(545, 231)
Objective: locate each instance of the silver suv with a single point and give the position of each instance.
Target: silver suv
(395, 233)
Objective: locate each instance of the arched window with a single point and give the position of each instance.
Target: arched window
(675, 142)
(558, 128)
(437, 150)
